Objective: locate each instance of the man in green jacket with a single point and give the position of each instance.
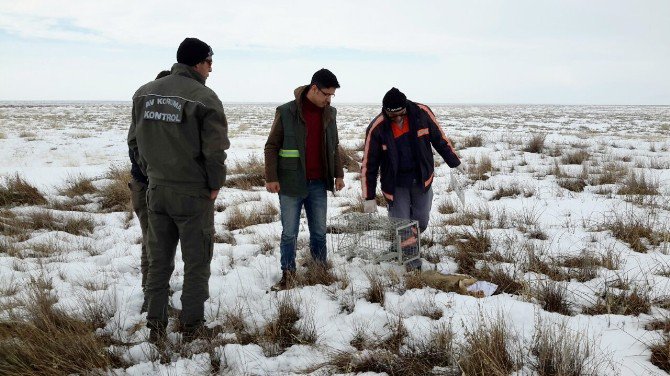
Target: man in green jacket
(178, 136)
(302, 162)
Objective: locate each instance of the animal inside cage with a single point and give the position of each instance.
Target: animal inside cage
(375, 238)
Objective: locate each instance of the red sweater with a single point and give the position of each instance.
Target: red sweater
(313, 116)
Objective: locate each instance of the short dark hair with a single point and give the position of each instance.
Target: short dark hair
(323, 78)
(162, 74)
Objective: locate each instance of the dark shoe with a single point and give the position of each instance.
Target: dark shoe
(192, 333)
(157, 335)
(286, 282)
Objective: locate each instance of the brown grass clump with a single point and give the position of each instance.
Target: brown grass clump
(281, 333)
(48, 341)
(316, 273)
(44, 219)
(623, 303)
(553, 298)
(486, 351)
(446, 207)
(349, 159)
(535, 144)
(480, 169)
(660, 353)
(377, 289)
(264, 213)
(638, 184)
(576, 157)
(472, 141)
(116, 195)
(247, 173)
(16, 191)
(511, 190)
(572, 184)
(633, 229)
(77, 186)
(560, 351)
(609, 173)
(388, 356)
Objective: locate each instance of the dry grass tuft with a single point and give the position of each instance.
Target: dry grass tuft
(635, 230)
(387, 356)
(349, 159)
(49, 341)
(447, 207)
(486, 350)
(535, 144)
(264, 213)
(247, 173)
(472, 141)
(560, 351)
(375, 293)
(281, 333)
(572, 184)
(77, 186)
(638, 184)
(316, 273)
(480, 169)
(16, 191)
(660, 353)
(511, 190)
(622, 303)
(116, 195)
(576, 157)
(553, 298)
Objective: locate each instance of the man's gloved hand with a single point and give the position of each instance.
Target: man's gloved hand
(461, 168)
(369, 206)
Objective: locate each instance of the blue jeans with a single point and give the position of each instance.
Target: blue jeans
(316, 205)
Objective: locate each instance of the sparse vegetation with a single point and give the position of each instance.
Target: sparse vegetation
(16, 191)
(247, 174)
(116, 195)
(49, 341)
(487, 349)
(263, 213)
(559, 350)
(536, 143)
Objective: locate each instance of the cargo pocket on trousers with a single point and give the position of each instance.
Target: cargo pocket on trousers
(208, 240)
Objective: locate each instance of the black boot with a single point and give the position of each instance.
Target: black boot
(286, 282)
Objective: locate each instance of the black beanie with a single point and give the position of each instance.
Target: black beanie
(193, 51)
(394, 100)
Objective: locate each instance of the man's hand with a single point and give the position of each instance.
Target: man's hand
(461, 168)
(213, 194)
(339, 184)
(272, 187)
(369, 206)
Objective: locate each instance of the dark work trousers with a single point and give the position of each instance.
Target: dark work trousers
(187, 216)
(138, 197)
(412, 203)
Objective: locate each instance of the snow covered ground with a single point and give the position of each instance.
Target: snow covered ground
(562, 217)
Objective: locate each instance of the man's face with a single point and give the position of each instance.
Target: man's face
(204, 67)
(321, 97)
(397, 116)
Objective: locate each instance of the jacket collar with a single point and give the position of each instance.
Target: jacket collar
(186, 71)
(300, 94)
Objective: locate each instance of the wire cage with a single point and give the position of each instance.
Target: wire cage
(375, 238)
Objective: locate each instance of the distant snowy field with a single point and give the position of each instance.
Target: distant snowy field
(602, 172)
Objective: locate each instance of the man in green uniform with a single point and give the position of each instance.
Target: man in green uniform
(178, 136)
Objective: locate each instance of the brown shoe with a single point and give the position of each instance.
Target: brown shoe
(286, 282)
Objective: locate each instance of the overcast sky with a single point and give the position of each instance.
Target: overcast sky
(449, 51)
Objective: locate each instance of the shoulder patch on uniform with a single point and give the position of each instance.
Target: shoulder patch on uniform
(164, 109)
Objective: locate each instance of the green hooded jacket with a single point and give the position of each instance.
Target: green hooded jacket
(179, 132)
